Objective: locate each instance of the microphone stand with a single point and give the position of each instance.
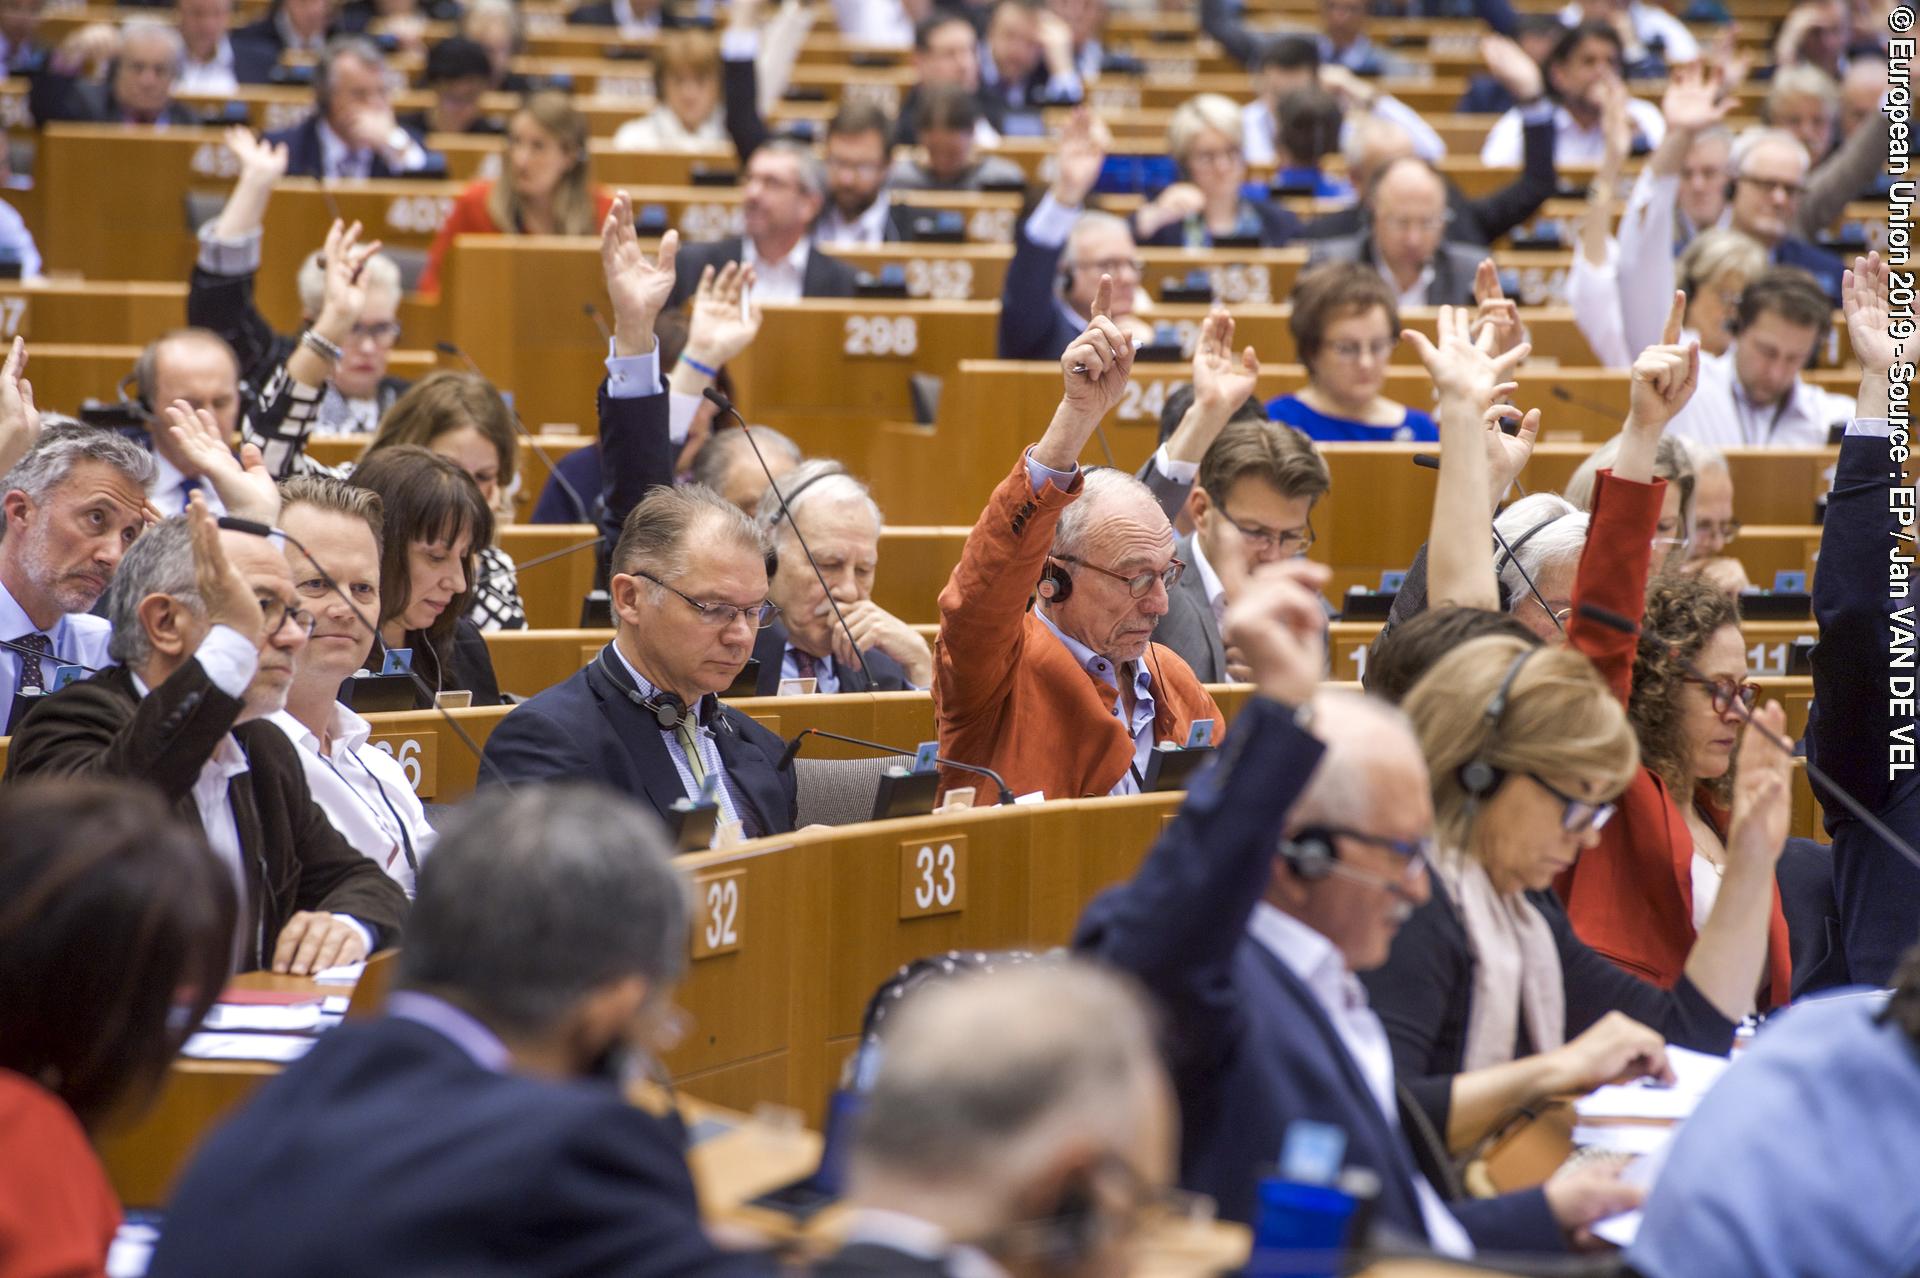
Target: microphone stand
(793, 749)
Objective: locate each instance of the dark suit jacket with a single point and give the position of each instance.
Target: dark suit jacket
(1033, 322)
(993, 109)
(587, 730)
(771, 647)
(387, 1151)
(304, 155)
(1475, 221)
(1817, 262)
(871, 1260)
(1453, 265)
(1252, 1051)
(52, 97)
(253, 62)
(295, 860)
(636, 454)
(1189, 628)
(1877, 890)
(825, 276)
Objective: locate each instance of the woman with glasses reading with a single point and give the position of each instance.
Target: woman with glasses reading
(1345, 325)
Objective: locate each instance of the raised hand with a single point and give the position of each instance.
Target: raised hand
(1507, 455)
(719, 328)
(19, 419)
(1465, 368)
(222, 588)
(1694, 101)
(1664, 377)
(874, 628)
(1496, 310)
(1508, 63)
(1099, 361)
(1056, 42)
(243, 484)
(344, 259)
(1177, 203)
(1082, 149)
(260, 160)
(637, 288)
(1616, 125)
(1863, 296)
(1277, 625)
(1762, 790)
(1221, 380)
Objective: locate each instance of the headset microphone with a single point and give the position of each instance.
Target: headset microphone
(725, 405)
(580, 507)
(1626, 625)
(253, 528)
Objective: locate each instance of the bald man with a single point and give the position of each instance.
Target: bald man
(195, 365)
(1405, 237)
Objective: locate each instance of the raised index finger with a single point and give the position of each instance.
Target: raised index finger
(1103, 296)
(1676, 315)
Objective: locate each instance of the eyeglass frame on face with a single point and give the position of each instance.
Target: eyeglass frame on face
(1417, 853)
(272, 623)
(725, 613)
(1792, 190)
(1381, 348)
(1722, 691)
(1141, 583)
(1269, 538)
(1114, 265)
(1577, 815)
(385, 333)
(1560, 615)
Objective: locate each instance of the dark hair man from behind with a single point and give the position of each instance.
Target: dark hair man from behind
(486, 1104)
(115, 922)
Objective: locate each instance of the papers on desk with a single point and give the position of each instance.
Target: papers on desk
(246, 1047)
(131, 1251)
(1624, 1138)
(1694, 1074)
(345, 974)
(271, 1020)
(1642, 1172)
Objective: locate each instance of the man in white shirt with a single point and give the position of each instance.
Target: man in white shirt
(1019, 1122)
(1582, 63)
(362, 789)
(207, 628)
(194, 365)
(209, 64)
(72, 506)
(1752, 396)
(784, 190)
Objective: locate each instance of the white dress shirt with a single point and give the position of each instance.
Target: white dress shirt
(169, 488)
(882, 22)
(1323, 970)
(214, 76)
(777, 280)
(923, 1240)
(364, 793)
(1573, 143)
(78, 638)
(1209, 581)
(1414, 294)
(17, 241)
(864, 231)
(1650, 23)
(1722, 415)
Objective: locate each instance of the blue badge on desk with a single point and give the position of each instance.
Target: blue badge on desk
(1312, 1153)
(923, 758)
(1200, 734)
(399, 661)
(64, 675)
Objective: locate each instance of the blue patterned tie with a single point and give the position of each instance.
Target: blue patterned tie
(31, 676)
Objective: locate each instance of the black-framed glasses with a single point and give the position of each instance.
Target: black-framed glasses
(1140, 582)
(1725, 690)
(1291, 543)
(1577, 815)
(1416, 853)
(277, 613)
(722, 615)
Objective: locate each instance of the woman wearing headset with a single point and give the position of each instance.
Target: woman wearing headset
(546, 187)
(1210, 204)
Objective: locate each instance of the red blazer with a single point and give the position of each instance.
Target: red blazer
(1008, 694)
(1631, 897)
(58, 1214)
(469, 216)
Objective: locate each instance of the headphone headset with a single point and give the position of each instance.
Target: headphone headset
(1056, 584)
(1063, 1239)
(1310, 853)
(1512, 552)
(1478, 776)
(786, 509)
(667, 709)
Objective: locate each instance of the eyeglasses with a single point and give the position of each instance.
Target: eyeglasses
(1351, 352)
(1417, 853)
(1726, 689)
(1401, 224)
(1726, 529)
(277, 613)
(379, 334)
(1667, 539)
(1560, 614)
(1577, 816)
(721, 615)
(1114, 266)
(1772, 186)
(1139, 583)
(1216, 156)
(1290, 543)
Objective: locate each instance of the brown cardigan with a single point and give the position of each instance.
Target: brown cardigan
(1008, 694)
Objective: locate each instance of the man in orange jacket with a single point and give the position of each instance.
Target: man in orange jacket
(1070, 697)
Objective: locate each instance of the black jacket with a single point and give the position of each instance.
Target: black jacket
(825, 276)
(884, 674)
(305, 156)
(53, 97)
(295, 860)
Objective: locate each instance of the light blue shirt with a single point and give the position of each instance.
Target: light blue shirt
(825, 677)
(1826, 1186)
(710, 760)
(78, 639)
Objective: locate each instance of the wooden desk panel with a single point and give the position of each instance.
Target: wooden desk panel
(127, 313)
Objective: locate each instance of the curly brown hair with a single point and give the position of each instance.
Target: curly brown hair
(1683, 612)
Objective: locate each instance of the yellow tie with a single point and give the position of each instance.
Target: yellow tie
(689, 734)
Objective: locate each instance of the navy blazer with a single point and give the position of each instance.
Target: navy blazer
(1817, 262)
(884, 674)
(387, 1150)
(825, 276)
(1034, 322)
(1852, 721)
(1252, 1051)
(305, 157)
(586, 729)
(634, 456)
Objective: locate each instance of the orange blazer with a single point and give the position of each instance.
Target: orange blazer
(1631, 897)
(469, 216)
(1006, 692)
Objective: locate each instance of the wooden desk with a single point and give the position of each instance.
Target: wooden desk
(125, 313)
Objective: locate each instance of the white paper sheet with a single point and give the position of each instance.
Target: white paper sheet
(246, 1047)
(263, 1017)
(345, 974)
(1620, 1138)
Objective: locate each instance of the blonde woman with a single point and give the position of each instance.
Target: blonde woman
(1489, 999)
(546, 186)
(1209, 203)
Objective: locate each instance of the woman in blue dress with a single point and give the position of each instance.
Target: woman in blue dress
(1345, 325)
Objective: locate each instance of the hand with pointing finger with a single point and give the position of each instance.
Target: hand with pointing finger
(1664, 377)
(1098, 362)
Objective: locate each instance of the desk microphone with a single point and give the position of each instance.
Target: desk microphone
(1627, 626)
(500, 573)
(1430, 462)
(49, 655)
(1599, 410)
(253, 528)
(725, 405)
(793, 749)
(580, 507)
(592, 312)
